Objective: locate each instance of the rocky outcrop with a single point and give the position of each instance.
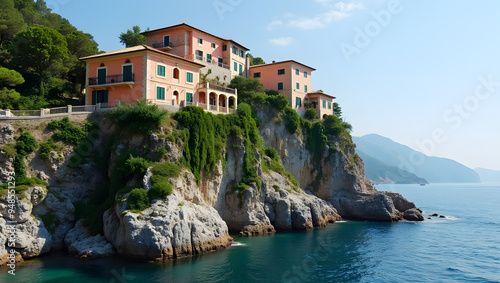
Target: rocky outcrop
(181, 225)
(84, 245)
(340, 178)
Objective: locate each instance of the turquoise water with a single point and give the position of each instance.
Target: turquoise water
(464, 247)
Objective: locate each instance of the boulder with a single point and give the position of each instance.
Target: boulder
(80, 243)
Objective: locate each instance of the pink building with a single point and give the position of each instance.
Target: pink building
(143, 72)
(292, 79)
(166, 70)
(224, 58)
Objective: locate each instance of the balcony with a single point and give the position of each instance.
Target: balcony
(162, 45)
(216, 87)
(112, 81)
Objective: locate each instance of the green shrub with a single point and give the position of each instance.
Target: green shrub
(292, 119)
(26, 144)
(138, 200)
(10, 150)
(66, 131)
(137, 165)
(139, 118)
(311, 114)
(166, 169)
(272, 153)
(160, 190)
(47, 147)
(50, 221)
(279, 101)
(161, 151)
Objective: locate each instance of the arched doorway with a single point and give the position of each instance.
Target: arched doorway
(213, 101)
(202, 97)
(222, 103)
(176, 97)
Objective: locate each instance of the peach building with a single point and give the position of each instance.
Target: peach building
(143, 72)
(294, 80)
(225, 58)
(166, 71)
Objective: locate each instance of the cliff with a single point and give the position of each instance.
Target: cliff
(180, 189)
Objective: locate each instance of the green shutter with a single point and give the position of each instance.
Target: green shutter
(298, 101)
(297, 71)
(324, 103)
(189, 77)
(189, 97)
(298, 86)
(305, 88)
(305, 74)
(161, 70)
(235, 67)
(160, 92)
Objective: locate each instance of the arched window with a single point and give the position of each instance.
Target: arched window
(176, 73)
(102, 65)
(127, 61)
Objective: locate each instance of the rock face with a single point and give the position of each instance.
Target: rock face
(195, 218)
(82, 244)
(171, 228)
(342, 181)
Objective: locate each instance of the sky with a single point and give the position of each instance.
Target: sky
(423, 73)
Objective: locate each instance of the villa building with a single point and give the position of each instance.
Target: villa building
(166, 71)
(224, 58)
(293, 80)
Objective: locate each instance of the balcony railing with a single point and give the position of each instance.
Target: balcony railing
(208, 62)
(112, 79)
(162, 45)
(217, 87)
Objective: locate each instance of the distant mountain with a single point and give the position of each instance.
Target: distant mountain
(488, 175)
(433, 169)
(381, 173)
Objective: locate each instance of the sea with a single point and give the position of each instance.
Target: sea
(464, 246)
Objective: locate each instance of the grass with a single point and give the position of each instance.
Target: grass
(10, 150)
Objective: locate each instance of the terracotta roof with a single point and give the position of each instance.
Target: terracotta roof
(139, 48)
(281, 62)
(191, 27)
(320, 93)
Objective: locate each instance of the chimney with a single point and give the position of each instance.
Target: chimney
(274, 62)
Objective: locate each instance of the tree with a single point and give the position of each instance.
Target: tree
(248, 89)
(255, 60)
(11, 21)
(80, 44)
(9, 78)
(40, 49)
(132, 37)
(337, 110)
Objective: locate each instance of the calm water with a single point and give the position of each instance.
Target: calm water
(464, 247)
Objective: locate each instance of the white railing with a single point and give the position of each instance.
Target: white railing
(82, 109)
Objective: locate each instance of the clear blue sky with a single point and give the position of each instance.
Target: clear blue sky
(412, 75)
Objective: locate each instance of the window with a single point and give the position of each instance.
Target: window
(242, 53)
(189, 77)
(200, 40)
(305, 74)
(298, 101)
(235, 50)
(281, 71)
(324, 103)
(235, 67)
(127, 74)
(220, 62)
(298, 86)
(280, 86)
(224, 47)
(306, 99)
(160, 92)
(256, 75)
(241, 69)
(213, 45)
(166, 41)
(297, 72)
(329, 105)
(189, 97)
(209, 58)
(199, 55)
(305, 88)
(160, 71)
(176, 73)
